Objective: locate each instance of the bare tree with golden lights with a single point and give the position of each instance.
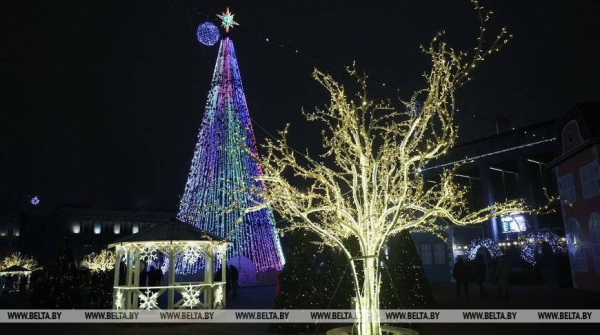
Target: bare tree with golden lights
(367, 184)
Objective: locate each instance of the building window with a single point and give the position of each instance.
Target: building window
(97, 228)
(135, 228)
(575, 244)
(595, 238)
(76, 227)
(117, 228)
(439, 251)
(426, 254)
(566, 187)
(590, 179)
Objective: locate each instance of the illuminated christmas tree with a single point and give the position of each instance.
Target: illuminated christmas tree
(223, 173)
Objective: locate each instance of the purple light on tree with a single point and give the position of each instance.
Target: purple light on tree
(222, 173)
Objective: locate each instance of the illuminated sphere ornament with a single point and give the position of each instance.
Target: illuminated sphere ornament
(208, 34)
(35, 200)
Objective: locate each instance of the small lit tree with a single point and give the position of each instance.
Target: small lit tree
(102, 262)
(101, 265)
(17, 258)
(367, 185)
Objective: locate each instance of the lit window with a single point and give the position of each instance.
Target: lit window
(439, 250)
(566, 187)
(97, 228)
(595, 238)
(575, 244)
(135, 228)
(76, 227)
(513, 223)
(117, 228)
(426, 254)
(590, 180)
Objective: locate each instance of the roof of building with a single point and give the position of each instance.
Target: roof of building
(586, 114)
(15, 268)
(173, 230)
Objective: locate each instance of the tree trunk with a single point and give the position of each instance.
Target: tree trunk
(367, 307)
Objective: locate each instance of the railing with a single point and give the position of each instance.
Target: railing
(193, 295)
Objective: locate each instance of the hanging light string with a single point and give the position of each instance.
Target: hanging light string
(299, 51)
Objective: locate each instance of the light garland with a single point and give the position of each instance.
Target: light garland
(223, 172)
(488, 243)
(530, 242)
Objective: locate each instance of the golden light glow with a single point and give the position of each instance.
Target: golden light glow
(101, 262)
(366, 185)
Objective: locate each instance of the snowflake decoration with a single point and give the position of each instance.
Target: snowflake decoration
(219, 297)
(531, 241)
(149, 300)
(191, 255)
(477, 243)
(165, 266)
(119, 299)
(148, 254)
(191, 297)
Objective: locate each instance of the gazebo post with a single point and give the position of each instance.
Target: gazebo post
(224, 275)
(208, 276)
(136, 279)
(117, 274)
(128, 280)
(171, 291)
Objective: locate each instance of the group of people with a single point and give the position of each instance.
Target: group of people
(232, 275)
(476, 271)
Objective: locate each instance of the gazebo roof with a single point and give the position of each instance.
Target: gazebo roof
(172, 231)
(15, 268)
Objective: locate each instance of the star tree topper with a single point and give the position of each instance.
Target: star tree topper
(227, 20)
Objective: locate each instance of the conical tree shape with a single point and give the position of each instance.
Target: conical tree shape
(223, 172)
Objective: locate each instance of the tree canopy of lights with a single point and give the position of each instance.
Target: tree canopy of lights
(365, 185)
(18, 259)
(223, 173)
(101, 262)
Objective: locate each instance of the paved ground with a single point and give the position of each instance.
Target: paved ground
(262, 297)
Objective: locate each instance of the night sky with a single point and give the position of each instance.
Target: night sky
(102, 100)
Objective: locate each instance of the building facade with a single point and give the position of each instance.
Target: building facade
(578, 174)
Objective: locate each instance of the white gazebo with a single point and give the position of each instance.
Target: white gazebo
(21, 273)
(169, 244)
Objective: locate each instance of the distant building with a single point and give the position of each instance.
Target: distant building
(509, 165)
(578, 174)
(87, 229)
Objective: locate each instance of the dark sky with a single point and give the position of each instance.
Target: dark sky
(102, 100)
